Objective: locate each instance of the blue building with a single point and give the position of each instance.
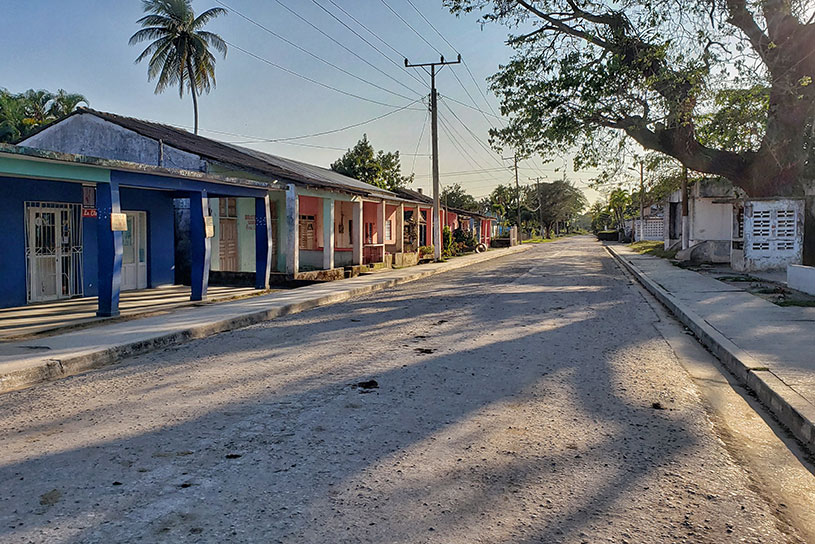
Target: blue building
(79, 226)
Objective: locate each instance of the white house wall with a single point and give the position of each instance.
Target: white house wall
(86, 134)
(709, 220)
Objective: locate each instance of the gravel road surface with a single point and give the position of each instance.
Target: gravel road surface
(526, 399)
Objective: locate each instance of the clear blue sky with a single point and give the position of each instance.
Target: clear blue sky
(81, 46)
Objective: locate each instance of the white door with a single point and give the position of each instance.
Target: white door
(134, 252)
(53, 250)
(44, 257)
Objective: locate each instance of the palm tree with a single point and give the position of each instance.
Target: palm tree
(179, 49)
(64, 103)
(37, 105)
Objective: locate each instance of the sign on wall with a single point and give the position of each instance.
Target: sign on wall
(88, 197)
(118, 222)
(209, 226)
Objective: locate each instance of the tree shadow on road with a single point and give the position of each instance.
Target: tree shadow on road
(265, 440)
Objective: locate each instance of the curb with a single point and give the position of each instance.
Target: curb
(790, 408)
(86, 360)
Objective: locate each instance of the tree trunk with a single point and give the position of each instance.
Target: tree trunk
(193, 90)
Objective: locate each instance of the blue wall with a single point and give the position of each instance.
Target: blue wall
(160, 232)
(14, 192)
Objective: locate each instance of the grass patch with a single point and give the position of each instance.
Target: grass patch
(800, 303)
(655, 248)
(538, 240)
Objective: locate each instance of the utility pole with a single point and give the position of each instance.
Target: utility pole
(642, 199)
(537, 181)
(685, 211)
(434, 133)
(517, 190)
(642, 203)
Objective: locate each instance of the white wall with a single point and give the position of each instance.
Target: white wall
(86, 134)
(709, 221)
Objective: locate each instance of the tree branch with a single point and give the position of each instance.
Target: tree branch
(741, 18)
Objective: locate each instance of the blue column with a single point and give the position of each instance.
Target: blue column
(263, 243)
(109, 245)
(199, 245)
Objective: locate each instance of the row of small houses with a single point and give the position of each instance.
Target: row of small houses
(97, 203)
(724, 226)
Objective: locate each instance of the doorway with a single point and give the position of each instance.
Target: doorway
(53, 250)
(134, 252)
(228, 234)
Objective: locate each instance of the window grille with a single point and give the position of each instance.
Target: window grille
(53, 249)
(786, 224)
(761, 223)
(307, 235)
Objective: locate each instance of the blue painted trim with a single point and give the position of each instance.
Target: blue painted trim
(199, 246)
(263, 243)
(149, 181)
(110, 250)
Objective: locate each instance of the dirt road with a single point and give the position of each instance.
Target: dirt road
(528, 399)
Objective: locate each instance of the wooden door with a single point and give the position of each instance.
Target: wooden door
(228, 244)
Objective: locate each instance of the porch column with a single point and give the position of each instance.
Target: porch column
(199, 245)
(328, 233)
(400, 233)
(264, 245)
(380, 219)
(110, 250)
(292, 231)
(416, 228)
(356, 232)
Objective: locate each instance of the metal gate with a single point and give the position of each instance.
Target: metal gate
(53, 250)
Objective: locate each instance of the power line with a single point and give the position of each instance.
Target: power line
(372, 33)
(463, 152)
(459, 102)
(453, 129)
(475, 137)
(411, 27)
(416, 154)
(323, 133)
(306, 51)
(474, 172)
(451, 46)
(318, 29)
(343, 128)
(321, 84)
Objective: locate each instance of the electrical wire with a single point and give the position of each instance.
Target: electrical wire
(416, 154)
(411, 27)
(306, 51)
(333, 131)
(474, 136)
(321, 84)
(351, 51)
(372, 33)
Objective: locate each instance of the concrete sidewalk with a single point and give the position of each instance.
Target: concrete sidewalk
(28, 362)
(769, 348)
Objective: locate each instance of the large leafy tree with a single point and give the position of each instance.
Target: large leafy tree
(663, 73)
(179, 51)
(455, 196)
(22, 113)
(551, 203)
(364, 163)
(503, 201)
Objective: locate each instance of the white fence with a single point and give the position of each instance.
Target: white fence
(649, 229)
